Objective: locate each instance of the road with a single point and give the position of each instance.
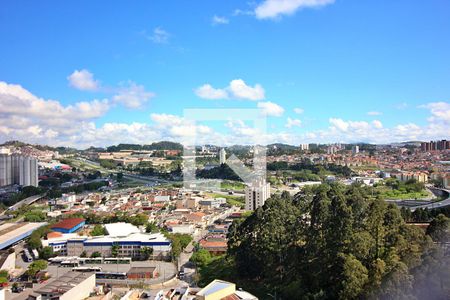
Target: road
(436, 204)
(26, 201)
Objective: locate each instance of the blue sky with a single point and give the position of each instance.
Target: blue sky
(358, 70)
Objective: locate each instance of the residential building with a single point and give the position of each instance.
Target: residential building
(304, 147)
(222, 156)
(355, 149)
(256, 194)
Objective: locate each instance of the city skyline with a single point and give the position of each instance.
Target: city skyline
(321, 71)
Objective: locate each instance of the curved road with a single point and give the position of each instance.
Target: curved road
(436, 204)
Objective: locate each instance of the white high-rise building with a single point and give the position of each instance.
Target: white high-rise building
(5, 170)
(256, 194)
(304, 147)
(355, 149)
(17, 169)
(222, 156)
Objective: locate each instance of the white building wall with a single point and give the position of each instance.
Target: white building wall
(82, 290)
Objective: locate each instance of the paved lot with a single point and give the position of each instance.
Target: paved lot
(166, 270)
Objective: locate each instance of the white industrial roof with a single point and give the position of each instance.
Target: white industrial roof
(135, 237)
(121, 229)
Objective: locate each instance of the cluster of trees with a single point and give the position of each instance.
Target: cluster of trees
(36, 266)
(26, 192)
(34, 240)
(93, 218)
(77, 189)
(333, 242)
(4, 277)
(107, 163)
(221, 172)
(35, 215)
(320, 170)
(421, 215)
(179, 242)
(163, 145)
(409, 186)
(98, 230)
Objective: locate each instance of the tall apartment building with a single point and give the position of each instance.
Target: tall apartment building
(18, 169)
(256, 194)
(355, 149)
(304, 147)
(222, 156)
(435, 145)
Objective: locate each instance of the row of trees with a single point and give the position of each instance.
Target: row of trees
(334, 242)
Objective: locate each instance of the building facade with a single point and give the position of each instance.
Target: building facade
(256, 194)
(18, 169)
(222, 156)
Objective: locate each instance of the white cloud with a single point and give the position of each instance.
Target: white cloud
(270, 9)
(339, 124)
(377, 124)
(292, 123)
(298, 110)
(83, 80)
(270, 109)
(237, 89)
(216, 20)
(241, 90)
(374, 113)
(206, 91)
(133, 96)
(159, 36)
(17, 101)
(178, 127)
(440, 111)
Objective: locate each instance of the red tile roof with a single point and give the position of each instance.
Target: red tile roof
(68, 223)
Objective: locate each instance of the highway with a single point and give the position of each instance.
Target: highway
(436, 204)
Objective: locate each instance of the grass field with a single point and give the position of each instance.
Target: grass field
(231, 199)
(387, 193)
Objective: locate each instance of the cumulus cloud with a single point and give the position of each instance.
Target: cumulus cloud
(293, 123)
(26, 117)
(17, 101)
(374, 113)
(206, 91)
(237, 89)
(440, 111)
(241, 90)
(270, 9)
(216, 20)
(339, 124)
(270, 109)
(83, 80)
(178, 127)
(132, 95)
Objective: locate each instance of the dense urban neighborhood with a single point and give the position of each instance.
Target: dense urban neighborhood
(122, 221)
